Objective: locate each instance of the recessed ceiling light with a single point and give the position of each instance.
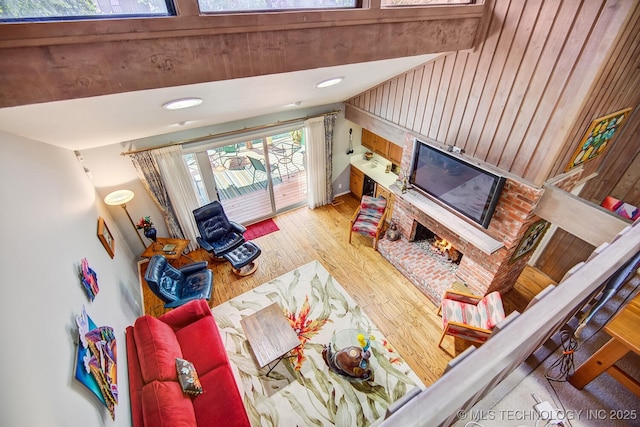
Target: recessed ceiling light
(178, 104)
(329, 82)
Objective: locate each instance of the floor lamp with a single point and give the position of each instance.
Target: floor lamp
(122, 197)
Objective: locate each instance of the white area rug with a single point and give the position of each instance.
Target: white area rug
(302, 391)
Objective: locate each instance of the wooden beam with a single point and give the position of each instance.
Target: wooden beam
(375, 124)
(42, 62)
(583, 219)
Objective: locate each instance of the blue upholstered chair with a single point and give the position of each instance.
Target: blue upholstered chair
(218, 235)
(176, 286)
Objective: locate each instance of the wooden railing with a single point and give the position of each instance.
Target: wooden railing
(482, 369)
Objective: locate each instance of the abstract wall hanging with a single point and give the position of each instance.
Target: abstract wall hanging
(96, 366)
(89, 279)
(597, 138)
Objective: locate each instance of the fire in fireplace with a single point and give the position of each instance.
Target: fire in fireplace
(446, 249)
(436, 246)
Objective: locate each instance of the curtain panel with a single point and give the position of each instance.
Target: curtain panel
(149, 174)
(319, 132)
(180, 189)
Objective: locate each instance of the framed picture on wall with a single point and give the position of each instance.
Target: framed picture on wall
(530, 239)
(106, 237)
(597, 138)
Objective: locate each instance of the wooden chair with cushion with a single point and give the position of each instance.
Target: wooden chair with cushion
(368, 219)
(470, 317)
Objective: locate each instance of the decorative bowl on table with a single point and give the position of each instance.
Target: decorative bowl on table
(345, 356)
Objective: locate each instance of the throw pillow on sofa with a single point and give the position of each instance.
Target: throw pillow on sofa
(188, 377)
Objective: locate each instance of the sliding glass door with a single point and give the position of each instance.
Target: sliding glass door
(253, 179)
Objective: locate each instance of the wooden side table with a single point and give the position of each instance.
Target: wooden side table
(270, 335)
(625, 337)
(156, 248)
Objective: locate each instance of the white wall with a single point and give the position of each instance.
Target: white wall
(48, 224)
(112, 171)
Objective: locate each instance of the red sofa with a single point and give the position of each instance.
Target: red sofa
(153, 344)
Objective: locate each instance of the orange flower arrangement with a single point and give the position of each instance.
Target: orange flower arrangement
(305, 328)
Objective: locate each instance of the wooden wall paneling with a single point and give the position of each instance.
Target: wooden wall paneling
(490, 88)
(469, 69)
(434, 85)
(391, 100)
(521, 38)
(605, 23)
(441, 95)
(539, 87)
(479, 78)
(425, 83)
(472, 58)
(628, 188)
(377, 106)
(451, 97)
(406, 98)
(385, 100)
(358, 100)
(399, 98)
(573, 251)
(413, 89)
(625, 61)
(521, 89)
(617, 164)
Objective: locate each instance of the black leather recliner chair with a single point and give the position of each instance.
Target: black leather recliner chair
(218, 235)
(176, 286)
(224, 239)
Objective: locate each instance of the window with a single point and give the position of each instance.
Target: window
(390, 3)
(44, 10)
(254, 177)
(272, 5)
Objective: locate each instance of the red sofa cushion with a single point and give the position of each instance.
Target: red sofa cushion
(202, 345)
(187, 314)
(157, 348)
(220, 404)
(165, 405)
(135, 379)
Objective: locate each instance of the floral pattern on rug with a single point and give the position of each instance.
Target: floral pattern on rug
(301, 391)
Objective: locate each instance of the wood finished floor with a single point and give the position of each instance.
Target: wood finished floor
(400, 311)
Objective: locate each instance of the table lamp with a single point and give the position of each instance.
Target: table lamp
(122, 197)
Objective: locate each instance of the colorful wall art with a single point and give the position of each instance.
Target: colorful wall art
(96, 361)
(89, 279)
(531, 239)
(597, 138)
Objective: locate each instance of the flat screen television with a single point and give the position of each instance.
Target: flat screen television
(456, 183)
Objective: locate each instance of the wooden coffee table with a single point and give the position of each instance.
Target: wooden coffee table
(270, 335)
(155, 248)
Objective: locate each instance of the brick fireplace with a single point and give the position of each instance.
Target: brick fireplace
(484, 266)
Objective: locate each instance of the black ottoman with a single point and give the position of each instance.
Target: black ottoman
(242, 258)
